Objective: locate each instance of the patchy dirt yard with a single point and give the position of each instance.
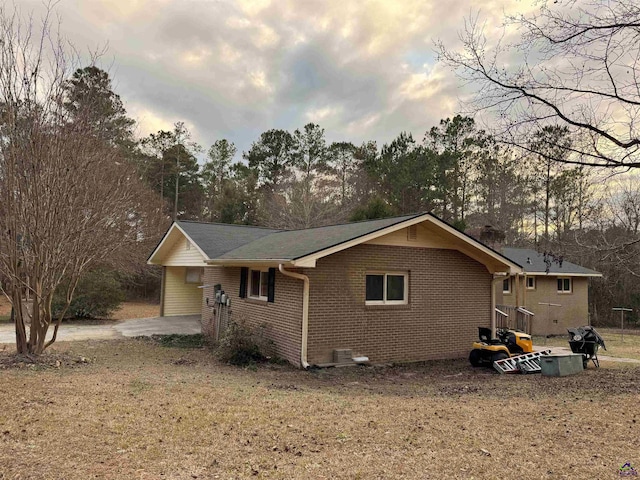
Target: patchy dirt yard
(138, 410)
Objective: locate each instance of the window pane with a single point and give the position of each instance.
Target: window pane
(567, 285)
(559, 284)
(375, 287)
(505, 285)
(264, 283)
(255, 283)
(530, 281)
(395, 287)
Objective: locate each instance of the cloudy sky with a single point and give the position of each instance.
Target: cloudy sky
(363, 70)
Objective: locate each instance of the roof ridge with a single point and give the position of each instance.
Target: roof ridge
(407, 216)
(199, 222)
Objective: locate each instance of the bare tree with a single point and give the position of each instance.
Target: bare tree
(576, 64)
(68, 199)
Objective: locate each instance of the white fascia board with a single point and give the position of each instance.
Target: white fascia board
(151, 261)
(248, 262)
(557, 274)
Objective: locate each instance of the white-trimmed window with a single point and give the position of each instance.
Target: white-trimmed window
(506, 285)
(387, 288)
(194, 275)
(564, 285)
(259, 284)
(531, 283)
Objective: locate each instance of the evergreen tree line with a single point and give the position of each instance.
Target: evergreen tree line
(457, 171)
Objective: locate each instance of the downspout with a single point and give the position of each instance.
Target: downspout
(494, 282)
(305, 312)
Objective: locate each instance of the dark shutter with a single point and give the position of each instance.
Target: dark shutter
(271, 285)
(244, 273)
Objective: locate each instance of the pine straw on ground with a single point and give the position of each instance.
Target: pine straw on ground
(143, 411)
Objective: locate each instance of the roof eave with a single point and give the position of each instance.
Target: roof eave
(250, 262)
(562, 274)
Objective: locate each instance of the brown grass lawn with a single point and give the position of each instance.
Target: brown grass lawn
(620, 346)
(142, 411)
(126, 311)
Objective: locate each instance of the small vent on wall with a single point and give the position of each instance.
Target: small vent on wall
(188, 245)
(412, 233)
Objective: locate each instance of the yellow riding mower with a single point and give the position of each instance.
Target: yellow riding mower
(508, 343)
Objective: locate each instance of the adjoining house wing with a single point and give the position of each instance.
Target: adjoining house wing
(534, 264)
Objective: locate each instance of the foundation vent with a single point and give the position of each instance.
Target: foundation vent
(342, 355)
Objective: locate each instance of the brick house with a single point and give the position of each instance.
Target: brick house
(557, 293)
(399, 289)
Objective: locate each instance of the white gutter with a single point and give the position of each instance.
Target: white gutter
(305, 312)
(495, 280)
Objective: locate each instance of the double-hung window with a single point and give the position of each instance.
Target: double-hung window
(258, 284)
(387, 288)
(564, 285)
(506, 286)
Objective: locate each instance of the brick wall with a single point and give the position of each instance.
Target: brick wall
(449, 297)
(282, 318)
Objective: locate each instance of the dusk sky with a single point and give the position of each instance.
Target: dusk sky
(363, 70)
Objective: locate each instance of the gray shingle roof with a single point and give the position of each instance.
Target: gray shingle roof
(293, 244)
(215, 239)
(533, 262)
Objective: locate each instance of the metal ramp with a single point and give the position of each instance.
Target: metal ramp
(526, 363)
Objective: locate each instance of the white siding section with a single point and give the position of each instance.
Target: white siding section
(179, 255)
(180, 298)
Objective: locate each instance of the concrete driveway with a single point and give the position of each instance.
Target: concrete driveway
(183, 325)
